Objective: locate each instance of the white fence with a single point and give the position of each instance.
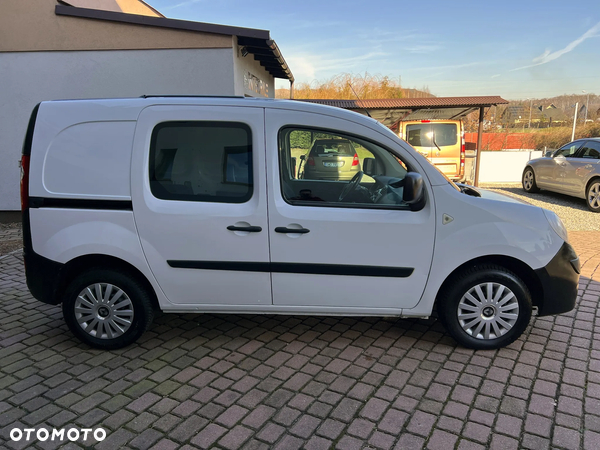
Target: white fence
(500, 166)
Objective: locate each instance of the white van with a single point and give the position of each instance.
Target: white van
(194, 205)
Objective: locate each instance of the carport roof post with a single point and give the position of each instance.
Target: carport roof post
(479, 136)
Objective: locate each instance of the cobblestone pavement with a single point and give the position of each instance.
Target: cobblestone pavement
(287, 382)
(11, 238)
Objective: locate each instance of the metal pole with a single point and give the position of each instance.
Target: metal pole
(587, 103)
(574, 121)
(479, 139)
(529, 126)
(291, 90)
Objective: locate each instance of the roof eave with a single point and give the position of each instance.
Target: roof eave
(261, 38)
(161, 22)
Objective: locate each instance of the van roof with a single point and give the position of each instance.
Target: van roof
(217, 100)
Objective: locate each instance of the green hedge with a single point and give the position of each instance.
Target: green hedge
(553, 138)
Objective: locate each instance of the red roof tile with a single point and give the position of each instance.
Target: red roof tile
(413, 103)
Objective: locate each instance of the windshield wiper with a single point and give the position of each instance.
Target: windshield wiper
(435, 143)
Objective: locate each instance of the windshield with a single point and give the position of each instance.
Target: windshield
(421, 135)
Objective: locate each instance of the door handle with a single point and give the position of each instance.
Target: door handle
(292, 230)
(250, 229)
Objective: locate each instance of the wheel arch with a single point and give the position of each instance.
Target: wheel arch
(590, 181)
(519, 268)
(83, 263)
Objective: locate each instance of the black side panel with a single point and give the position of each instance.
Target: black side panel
(280, 267)
(76, 203)
(559, 280)
(42, 274)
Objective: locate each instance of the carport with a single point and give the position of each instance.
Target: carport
(392, 111)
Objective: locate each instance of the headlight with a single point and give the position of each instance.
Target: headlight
(557, 225)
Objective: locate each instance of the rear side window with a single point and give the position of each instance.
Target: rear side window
(201, 162)
(590, 150)
(325, 147)
(422, 135)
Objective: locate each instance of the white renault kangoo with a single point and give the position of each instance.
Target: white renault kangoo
(201, 204)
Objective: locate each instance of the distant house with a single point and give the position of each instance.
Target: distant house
(519, 115)
(552, 114)
(514, 114)
(117, 48)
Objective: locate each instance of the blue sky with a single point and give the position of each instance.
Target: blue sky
(516, 49)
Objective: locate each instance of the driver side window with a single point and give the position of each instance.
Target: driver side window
(327, 168)
(568, 150)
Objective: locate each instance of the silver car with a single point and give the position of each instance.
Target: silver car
(573, 169)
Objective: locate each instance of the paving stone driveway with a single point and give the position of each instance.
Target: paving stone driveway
(228, 381)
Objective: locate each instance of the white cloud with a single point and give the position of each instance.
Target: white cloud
(453, 66)
(548, 56)
(302, 67)
(179, 5)
(420, 49)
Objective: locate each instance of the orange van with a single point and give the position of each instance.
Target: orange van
(440, 141)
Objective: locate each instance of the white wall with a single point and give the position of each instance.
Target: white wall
(500, 166)
(504, 166)
(244, 64)
(30, 77)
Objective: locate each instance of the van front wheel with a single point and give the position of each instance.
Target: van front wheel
(486, 307)
(107, 309)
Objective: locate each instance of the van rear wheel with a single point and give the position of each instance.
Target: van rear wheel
(107, 309)
(486, 307)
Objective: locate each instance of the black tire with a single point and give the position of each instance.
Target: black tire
(528, 181)
(454, 301)
(592, 195)
(107, 326)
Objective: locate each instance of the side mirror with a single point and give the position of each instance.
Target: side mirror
(414, 192)
(302, 157)
(549, 154)
(369, 166)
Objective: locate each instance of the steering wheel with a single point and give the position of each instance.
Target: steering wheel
(351, 186)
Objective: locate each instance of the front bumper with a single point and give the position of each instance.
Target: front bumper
(559, 282)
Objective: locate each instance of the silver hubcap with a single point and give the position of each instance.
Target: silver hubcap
(594, 195)
(104, 311)
(488, 311)
(528, 180)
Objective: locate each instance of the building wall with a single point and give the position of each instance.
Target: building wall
(251, 79)
(31, 77)
(126, 6)
(32, 25)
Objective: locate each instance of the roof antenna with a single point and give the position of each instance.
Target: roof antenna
(354, 92)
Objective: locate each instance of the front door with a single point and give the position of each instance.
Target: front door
(199, 201)
(339, 244)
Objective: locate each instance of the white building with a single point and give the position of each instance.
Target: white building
(116, 48)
